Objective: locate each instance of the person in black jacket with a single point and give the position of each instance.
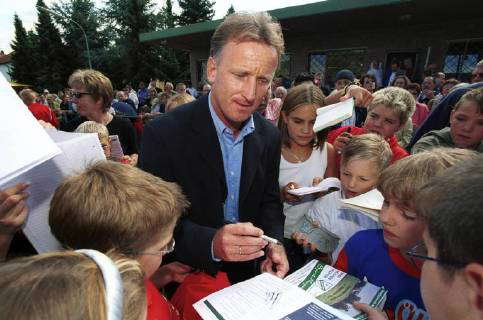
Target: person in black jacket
(226, 157)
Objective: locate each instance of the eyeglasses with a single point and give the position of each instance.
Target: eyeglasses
(420, 252)
(477, 75)
(79, 95)
(169, 249)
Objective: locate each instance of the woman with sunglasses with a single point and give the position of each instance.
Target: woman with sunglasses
(92, 93)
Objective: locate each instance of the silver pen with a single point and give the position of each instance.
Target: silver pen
(271, 240)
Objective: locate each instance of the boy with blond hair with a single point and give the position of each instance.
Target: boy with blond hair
(380, 255)
(363, 159)
(111, 206)
(388, 113)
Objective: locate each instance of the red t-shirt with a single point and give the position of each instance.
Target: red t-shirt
(42, 112)
(159, 308)
(397, 151)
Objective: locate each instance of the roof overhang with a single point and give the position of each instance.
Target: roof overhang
(191, 36)
(333, 18)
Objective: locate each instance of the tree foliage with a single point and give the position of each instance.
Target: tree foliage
(194, 11)
(47, 55)
(74, 18)
(52, 69)
(231, 10)
(23, 48)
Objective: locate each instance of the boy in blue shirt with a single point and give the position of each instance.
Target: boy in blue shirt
(379, 255)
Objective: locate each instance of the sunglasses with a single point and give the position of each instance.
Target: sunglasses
(79, 95)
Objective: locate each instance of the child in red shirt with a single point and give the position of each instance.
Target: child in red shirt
(388, 112)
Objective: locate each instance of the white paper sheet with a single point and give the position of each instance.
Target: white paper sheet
(264, 297)
(369, 203)
(333, 114)
(23, 141)
(323, 186)
(78, 151)
(372, 200)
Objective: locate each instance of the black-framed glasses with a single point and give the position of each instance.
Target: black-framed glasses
(79, 95)
(160, 253)
(420, 252)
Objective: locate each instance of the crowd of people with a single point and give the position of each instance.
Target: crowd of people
(205, 174)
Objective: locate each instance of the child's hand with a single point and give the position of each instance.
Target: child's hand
(373, 314)
(341, 141)
(287, 197)
(13, 209)
(301, 239)
(174, 271)
(316, 181)
(131, 160)
(428, 93)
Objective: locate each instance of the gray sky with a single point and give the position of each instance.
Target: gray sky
(28, 14)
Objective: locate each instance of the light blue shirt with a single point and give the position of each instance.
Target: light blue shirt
(232, 151)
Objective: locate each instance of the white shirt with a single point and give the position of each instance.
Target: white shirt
(328, 214)
(303, 174)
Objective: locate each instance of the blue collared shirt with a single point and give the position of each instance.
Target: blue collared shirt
(232, 151)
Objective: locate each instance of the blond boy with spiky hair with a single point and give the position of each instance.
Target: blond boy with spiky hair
(388, 113)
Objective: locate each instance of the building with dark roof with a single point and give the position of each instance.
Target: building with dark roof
(350, 34)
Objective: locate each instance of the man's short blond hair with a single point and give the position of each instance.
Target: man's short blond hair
(397, 99)
(242, 26)
(178, 100)
(93, 127)
(96, 84)
(114, 206)
(368, 146)
(403, 179)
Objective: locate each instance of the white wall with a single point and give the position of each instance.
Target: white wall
(4, 69)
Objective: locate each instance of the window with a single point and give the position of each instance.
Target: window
(285, 66)
(462, 57)
(317, 62)
(330, 62)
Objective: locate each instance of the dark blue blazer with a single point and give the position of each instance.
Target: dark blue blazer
(182, 146)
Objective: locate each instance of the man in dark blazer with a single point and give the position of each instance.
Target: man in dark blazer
(226, 157)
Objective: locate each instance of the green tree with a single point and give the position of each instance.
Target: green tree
(86, 15)
(129, 18)
(168, 15)
(194, 11)
(231, 10)
(52, 70)
(23, 57)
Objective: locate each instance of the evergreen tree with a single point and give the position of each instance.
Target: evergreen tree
(84, 13)
(23, 60)
(194, 11)
(53, 61)
(231, 10)
(129, 18)
(169, 16)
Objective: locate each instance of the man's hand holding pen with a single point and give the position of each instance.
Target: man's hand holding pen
(239, 242)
